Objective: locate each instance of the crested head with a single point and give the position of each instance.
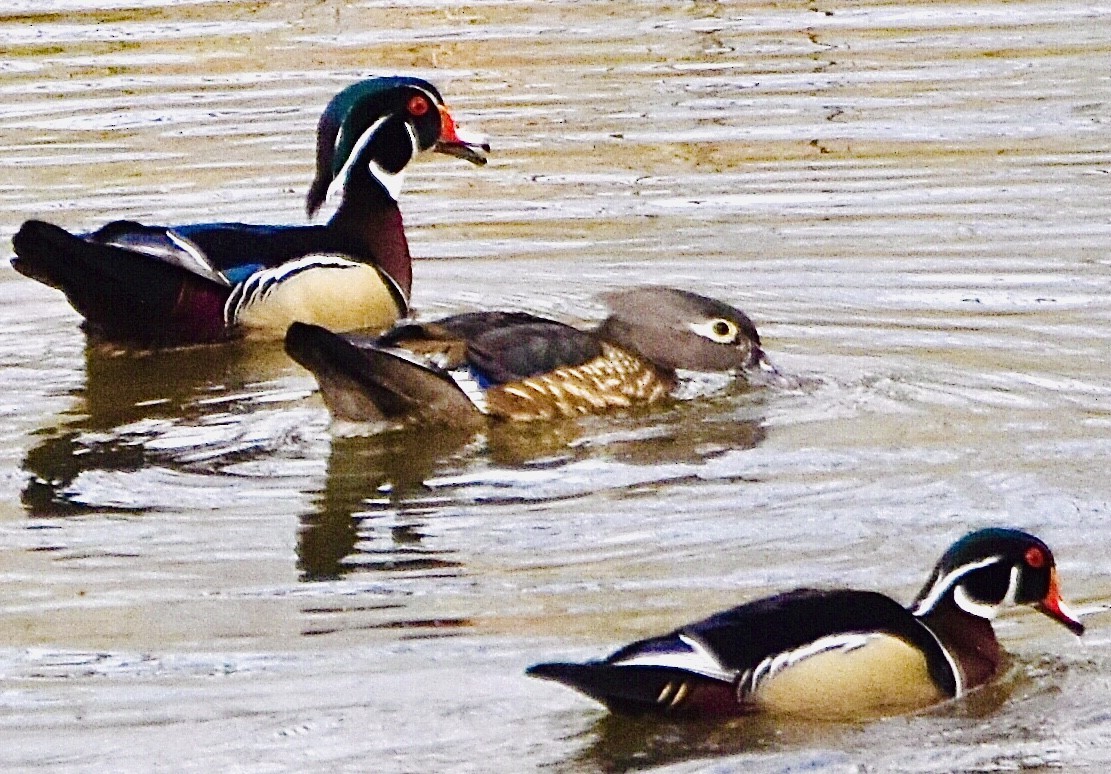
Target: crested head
(372, 129)
(677, 329)
(990, 569)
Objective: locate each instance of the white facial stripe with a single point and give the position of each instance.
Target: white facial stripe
(969, 605)
(699, 660)
(431, 97)
(943, 584)
(1012, 587)
(391, 181)
(340, 180)
(989, 610)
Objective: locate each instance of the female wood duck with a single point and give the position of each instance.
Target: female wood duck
(835, 654)
(155, 286)
(516, 366)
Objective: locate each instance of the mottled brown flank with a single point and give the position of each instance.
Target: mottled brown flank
(617, 379)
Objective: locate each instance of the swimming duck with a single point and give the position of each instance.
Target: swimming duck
(835, 653)
(516, 366)
(156, 286)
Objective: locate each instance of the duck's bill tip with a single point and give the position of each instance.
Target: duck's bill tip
(463, 145)
(762, 372)
(1056, 608)
(472, 152)
(1060, 613)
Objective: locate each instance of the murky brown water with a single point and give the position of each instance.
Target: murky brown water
(911, 200)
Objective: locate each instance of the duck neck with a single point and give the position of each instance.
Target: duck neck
(640, 340)
(969, 639)
(371, 225)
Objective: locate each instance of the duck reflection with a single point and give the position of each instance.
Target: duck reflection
(204, 410)
(691, 432)
(371, 480)
(381, 489)
(620, 744)
(124, 400)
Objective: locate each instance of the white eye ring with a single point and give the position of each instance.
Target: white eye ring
(718, 330)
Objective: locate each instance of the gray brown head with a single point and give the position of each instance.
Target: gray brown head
(680, 330)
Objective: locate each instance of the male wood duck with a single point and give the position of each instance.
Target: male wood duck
(156, 286)
(515, 366)
(837, 653)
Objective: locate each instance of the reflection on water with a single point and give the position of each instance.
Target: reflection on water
(134, 412)
(362, 521)
(380, 489)
(620, 744)
(203, 410)
(56, 462)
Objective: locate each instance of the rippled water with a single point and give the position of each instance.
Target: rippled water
(910, 199)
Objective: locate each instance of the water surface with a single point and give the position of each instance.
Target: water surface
(910, 201)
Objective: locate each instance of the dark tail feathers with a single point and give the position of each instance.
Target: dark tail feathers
(640, 690)
(125, 295)
(362, 382)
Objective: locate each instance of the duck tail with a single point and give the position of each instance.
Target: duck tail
(639, 690)
(361, 381)
(123, 295)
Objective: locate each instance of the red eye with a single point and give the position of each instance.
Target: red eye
(1035, 557)
(418, 105)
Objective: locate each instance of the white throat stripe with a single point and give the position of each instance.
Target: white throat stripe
(942, 585)
(340, 180)
(392, 181)
(987, 609)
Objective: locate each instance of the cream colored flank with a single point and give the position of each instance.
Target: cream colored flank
(341, 297)
(884, 675)
(617, 379)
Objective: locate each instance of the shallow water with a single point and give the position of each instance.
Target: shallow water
(909, 199)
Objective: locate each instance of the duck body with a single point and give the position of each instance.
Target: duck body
(833, 654)
(149, 286)
(155, 286)
(516, 366)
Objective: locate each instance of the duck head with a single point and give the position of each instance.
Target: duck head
(371, 130)
(990, 569)
(677, 329)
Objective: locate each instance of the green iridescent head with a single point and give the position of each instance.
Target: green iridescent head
(994, 568)
(372, 129)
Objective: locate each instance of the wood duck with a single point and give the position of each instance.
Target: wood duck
(156, 286)
(835, 653)
(516, 366)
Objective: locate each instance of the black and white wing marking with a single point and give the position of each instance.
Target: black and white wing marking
(763, 638)
(163, 244)
(675, 674)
